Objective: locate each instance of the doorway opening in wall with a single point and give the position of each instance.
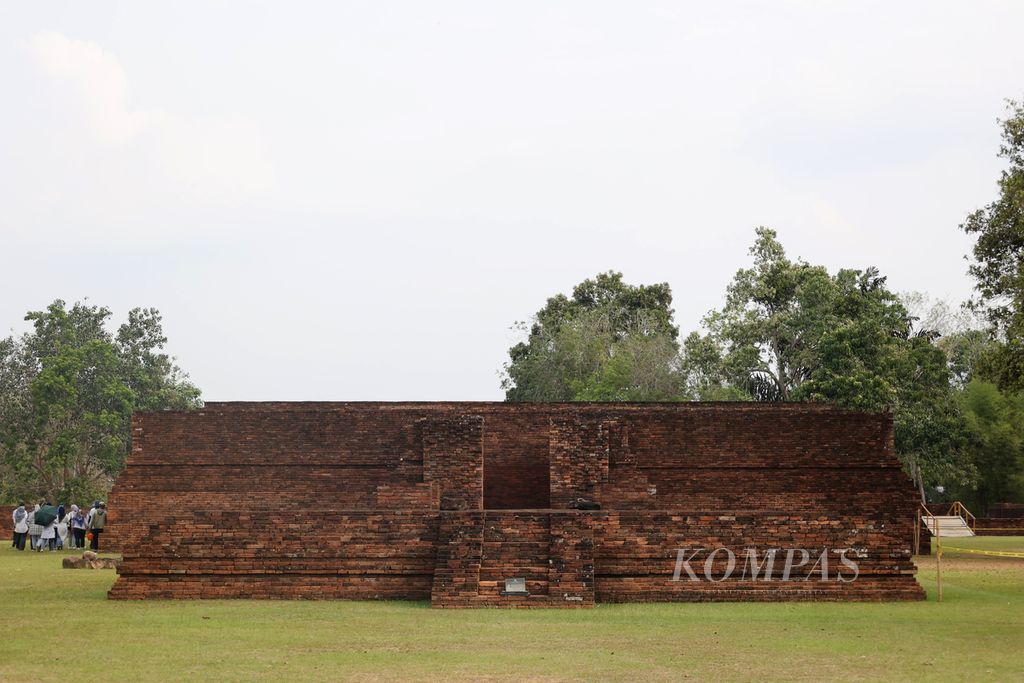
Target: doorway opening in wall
(516, 481)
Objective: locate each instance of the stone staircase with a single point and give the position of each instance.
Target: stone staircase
(955, 522)
(553, 551)
(947, 526)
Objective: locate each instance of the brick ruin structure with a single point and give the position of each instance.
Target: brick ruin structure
(446, 501)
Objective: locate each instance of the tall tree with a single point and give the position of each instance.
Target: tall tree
(790, 331)
(998, 267)
(67, 391)
(609, 341)
(772, 314)
(958, 331)
(996, 420)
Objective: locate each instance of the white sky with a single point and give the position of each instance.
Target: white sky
(353, 201)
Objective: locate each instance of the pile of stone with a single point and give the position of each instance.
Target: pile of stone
(90, 560)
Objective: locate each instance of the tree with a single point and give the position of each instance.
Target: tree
(910, 376)
(609, 341)
(772, 313)
(637, 367)
(998, 267)
(790, 331)
(703, 372)
(996, 421)
(67, 392)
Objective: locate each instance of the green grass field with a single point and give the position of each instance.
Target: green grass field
(59, 626)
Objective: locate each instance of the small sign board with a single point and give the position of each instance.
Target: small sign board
(515, 586)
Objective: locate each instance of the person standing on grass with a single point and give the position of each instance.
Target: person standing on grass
(20, 518)
(88, 515)
(34, 530)
(62, 531)
(80, 525)
(49, 534)
(71, 526)
(77, 521)
(97, 521)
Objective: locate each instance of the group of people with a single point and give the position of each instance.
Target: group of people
(48, 528)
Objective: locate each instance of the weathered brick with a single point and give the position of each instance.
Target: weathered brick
(447, 500)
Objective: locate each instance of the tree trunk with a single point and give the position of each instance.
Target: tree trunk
(915, 472)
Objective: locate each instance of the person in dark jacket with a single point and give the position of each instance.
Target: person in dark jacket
(49, 535)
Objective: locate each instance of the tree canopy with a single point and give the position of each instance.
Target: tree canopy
(998, 267)
(609, 341)
(790, 331)
(996, 422)
(67, 392)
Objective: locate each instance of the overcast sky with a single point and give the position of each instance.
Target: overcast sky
(355, 201)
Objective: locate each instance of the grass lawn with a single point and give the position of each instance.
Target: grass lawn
(59, 626)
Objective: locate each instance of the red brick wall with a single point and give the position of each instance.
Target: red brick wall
(6, 521)
(1013, 510)
(999, 526)
(578, 464)
(413, 500)
(453, 460)
(636, 554)
(689, 455)
(270, 551)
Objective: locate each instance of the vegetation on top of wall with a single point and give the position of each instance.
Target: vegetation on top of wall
(793, 331)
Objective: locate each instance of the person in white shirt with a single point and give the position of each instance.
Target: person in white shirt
(77, 527)
(20, 519)
(34, 530)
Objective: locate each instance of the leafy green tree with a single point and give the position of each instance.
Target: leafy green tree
(773, 313)
(68, 391)
(971, 354)
(958, 331)
(780, 316)
(609, 341)
(703, 371)
(790, 331)
(998, 267)
(910, 376)
(637, 367)
(996, 421)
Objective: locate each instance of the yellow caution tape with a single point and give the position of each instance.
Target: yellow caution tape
(997, 553)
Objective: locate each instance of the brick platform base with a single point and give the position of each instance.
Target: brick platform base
(461, 559)
(446, 501)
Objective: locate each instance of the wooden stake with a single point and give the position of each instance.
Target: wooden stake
(938, 555)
